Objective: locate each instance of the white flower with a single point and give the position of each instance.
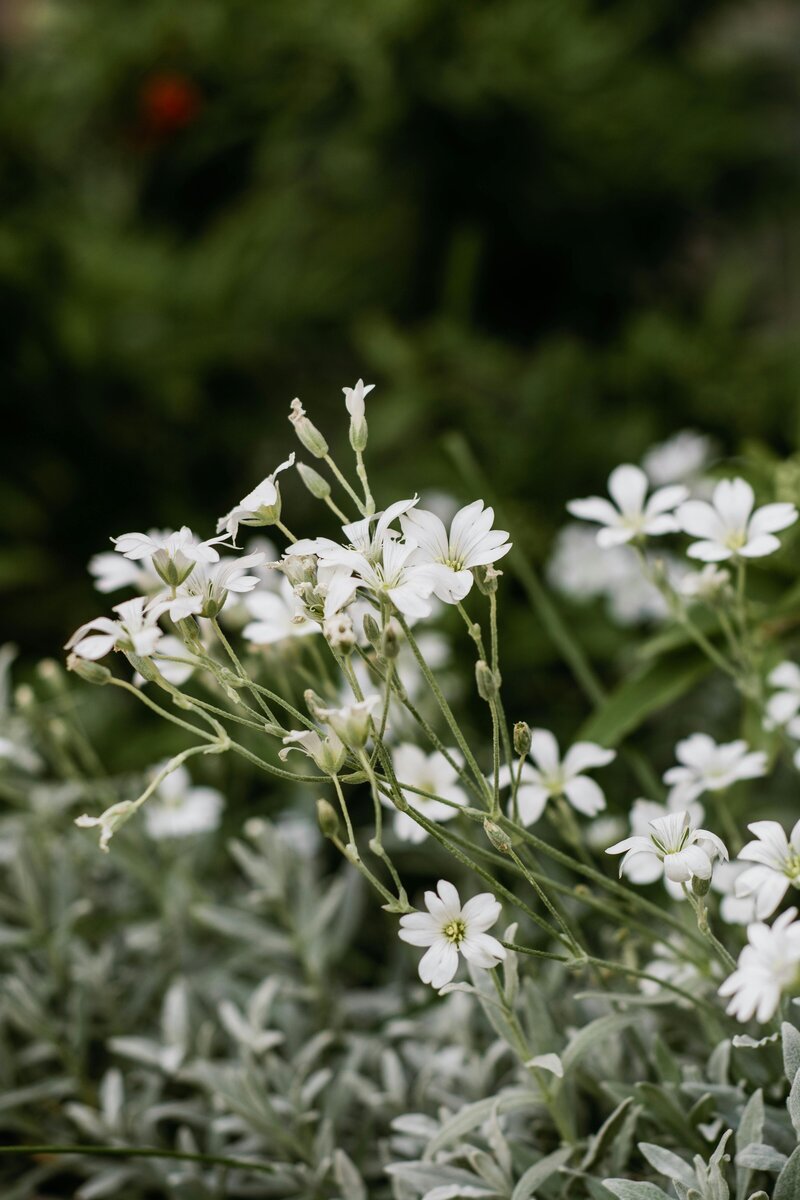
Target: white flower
(396, 577)
(470, 543)
(768, 966)
(645, 868)
(728, 527)
(278, 616)
(709, 767)
(685, 853)
(352, 723)
(327, 752)
(262, 506)
(173, 555)
(581, 569)
(205, 590)
(136, 631)
(784, 705)
(178, 809)
(432, 773)
(354, 400)
(734, 910)
(777, 860)
(630, 516)
(448, 929)
(679, 459)
(552, 777)
(111, 572)
(704, 584)
(364, 538)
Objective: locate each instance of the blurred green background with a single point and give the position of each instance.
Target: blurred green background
(565, 229)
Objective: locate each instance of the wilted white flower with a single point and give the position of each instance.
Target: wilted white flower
(432, 773)
(704, 584)
(728, 527)
(553, 776)
(262, 506)
(470, 543)
(205, 590)
(631, 515)
(136, 631)
(327, 752)
(109, 821)
(449, 930)
(706, 766)
(352, 723)
(173, 555)
(777, 860)
(684, 853)
(178, 809)
(680, 459)
(277, 616)
(784, 704)
(768, 966)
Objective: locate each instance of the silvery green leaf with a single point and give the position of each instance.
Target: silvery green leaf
(490, 1172)
(628, 1189)
(148, 1052)
(460, 1192)
(743, 1041)
(511, 967)
(547, 1062)
(590, 1036)
(667, 1163)
(498, 1143)
(473, 1115)
(540, 1172)
(758, 1196)
(175, 1016)
(392, 1075)
(112, 1097)
(793, 1103)
(348, 1177)
(759, 1157)
(750, 1132)
(108, 1183)
(790, 1036)
(719, 1063)
(424, 1175)
(416, 1125)
(787, 1185)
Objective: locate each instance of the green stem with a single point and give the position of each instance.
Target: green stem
(351, 493)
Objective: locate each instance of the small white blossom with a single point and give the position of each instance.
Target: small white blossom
(364, 538)
(784, 704)
(278, 616)
(354, 400)
(727, 526)
(631, 515)
(553, 776)
(448, 930)
(173, 555)
(777, 860)
(136, 631)
(680, 459)
(706, 766)
(684, 853)
(705, 584)
(327, 752)
(262, 506)
(396, 577)
(432, 773)
(179, 809)
(582, 570)
(205, 590)
(645, 868)
(768, 966)
(352, 723)
(471, 542)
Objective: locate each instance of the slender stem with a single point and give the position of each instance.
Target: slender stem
(287, 533)
(240, 671)
(351, 493)
(162, 712)
(369, 503)
(337, 512)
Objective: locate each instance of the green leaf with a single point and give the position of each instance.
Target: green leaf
(793, 1104)
(348, 1178)
(627, 1189)
(791, 1050)
(539, 1173)
(750, 1132)
(592, 1034)
(606, 1134)
(667, 1163)
(636, 699)
(760, 1157)
(473, 1115)
(787, 1186)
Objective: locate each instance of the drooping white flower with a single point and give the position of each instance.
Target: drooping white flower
(684, 853)
(327, 752)
(727, 526)
(471, 542)
(262, 506)
(704, 584)
(179, 809)
(432, 773)
(784, 704)
(768, 966)
(777, 860)
(706, 766)
(136, 631)
(552, 776)
(680, 459)
(173, 555)
(278, 616)
(631, 515)
(448, 930)
(205, 590)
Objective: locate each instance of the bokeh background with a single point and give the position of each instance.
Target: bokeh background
(560, 229)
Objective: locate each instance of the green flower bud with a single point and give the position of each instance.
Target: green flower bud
(90, 672)
(487, 681)
(499, 839)
(308, 433)
(390, 642)
(372, 631)
(522, 738)
(700, 887)
(328, 819)
(320, 488)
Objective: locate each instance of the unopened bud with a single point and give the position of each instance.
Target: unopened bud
(328, 819)
(486, 578)
(497, 836)
(372, 631)
(339, 633)
(90, 672)
(145, 666)
(487, 680)
(314, 703)
(700, 886)
(522, 738)
(358, 434)
(390, 641)
(309, 435)
(320, 488)
(299, 569)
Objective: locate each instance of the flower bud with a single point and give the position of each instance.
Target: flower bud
(90, 672)
(390, 642)
(372, 631)
(700, 887)
(328, 819)
(339, 633)
(308, 433)
(145, 666)
(486, 578)
(358, 434)
(353, 722)
(522, 738)
(320, 488)
(487, 681)
(499, 839)
(314, 703)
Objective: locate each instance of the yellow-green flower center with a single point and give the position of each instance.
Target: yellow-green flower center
(455, 931)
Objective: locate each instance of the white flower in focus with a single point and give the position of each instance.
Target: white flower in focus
(680, 459)
(178, 809)
(327, 752)
(645, 868)
(727, 526)
(173, 555)
(768, 966)
(432, 773)
(470, 543)
(631, 515)
(777, 860)
(448, 930)
(706, 766)
(262, 506)
(552, 777)
(784, 705)
(684, 853)
(364, 538)
(397, 578)
(705, 584)
(278, 616)
(205, 591)
(136, 631)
